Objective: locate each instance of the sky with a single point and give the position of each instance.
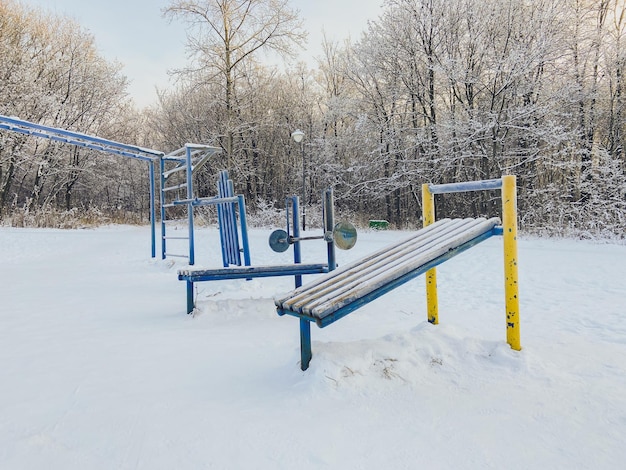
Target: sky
(134, 33)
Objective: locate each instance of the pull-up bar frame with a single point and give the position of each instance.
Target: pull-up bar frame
(508, 188)
(94, 143)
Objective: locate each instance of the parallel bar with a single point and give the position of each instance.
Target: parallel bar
(466, 186)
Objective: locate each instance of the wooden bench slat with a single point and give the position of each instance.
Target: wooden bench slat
(360, 289)
(344, 271)
(363, 282)
(362, 272)
(322, 297)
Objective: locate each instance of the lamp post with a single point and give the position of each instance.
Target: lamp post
(298, 137)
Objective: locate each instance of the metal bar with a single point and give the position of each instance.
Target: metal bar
(76, 138)
(234, 232)
(428, 218)
(246, 272)
(176, 256)
(221, 221)
(328, 210)
(190, 302)
(306, 354)
(483, 185)
(190, 207)
(300, 239)
(227, 227)
(206, 201)
(305, 327)
(173, 188)
(162, 199)
(152, 211)
(509, 225)
(176, 169)
(202, 146)
(244, 230)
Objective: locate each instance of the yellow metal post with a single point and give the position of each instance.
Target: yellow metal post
(428, 215)
(509, 226)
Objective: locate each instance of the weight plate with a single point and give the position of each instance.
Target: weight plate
(344, 235)
(279, 241)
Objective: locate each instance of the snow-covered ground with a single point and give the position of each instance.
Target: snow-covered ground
(102, 369)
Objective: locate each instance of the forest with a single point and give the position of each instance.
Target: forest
(432, 91)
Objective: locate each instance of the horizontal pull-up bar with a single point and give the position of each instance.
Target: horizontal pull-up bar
(508, 187)
(483, 185)
(78, 139)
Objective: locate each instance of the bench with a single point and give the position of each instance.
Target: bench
(338, 293)
(229, 237)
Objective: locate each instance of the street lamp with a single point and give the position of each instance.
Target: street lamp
(298, 136)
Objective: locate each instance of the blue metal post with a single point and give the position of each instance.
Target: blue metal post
(152, 211)
(329, 224)
(190, 206)
(162, 198)
(244, 230)
(234, 235)
(305, 326)
(190, 305)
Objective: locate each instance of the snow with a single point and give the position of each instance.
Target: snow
(102, 369)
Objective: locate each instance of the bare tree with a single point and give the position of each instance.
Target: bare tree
(226, 34)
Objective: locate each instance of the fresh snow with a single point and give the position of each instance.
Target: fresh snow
(102, 369)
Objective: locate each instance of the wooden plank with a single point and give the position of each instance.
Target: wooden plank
(342, 272)
(323, 297)
(368, 268)
(360, 288)
(358, 303)
(385, 268)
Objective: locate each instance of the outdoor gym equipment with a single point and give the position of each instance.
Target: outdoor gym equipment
(182, 162)
(337, 294)
(342, 235)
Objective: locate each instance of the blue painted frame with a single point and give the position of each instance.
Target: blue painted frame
(93, 143)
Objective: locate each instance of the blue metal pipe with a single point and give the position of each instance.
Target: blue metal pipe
(162, 199)
(244, 231)
(483, 185)
(189, 206)
(152, 211)
(305, 326)
(76, 138)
